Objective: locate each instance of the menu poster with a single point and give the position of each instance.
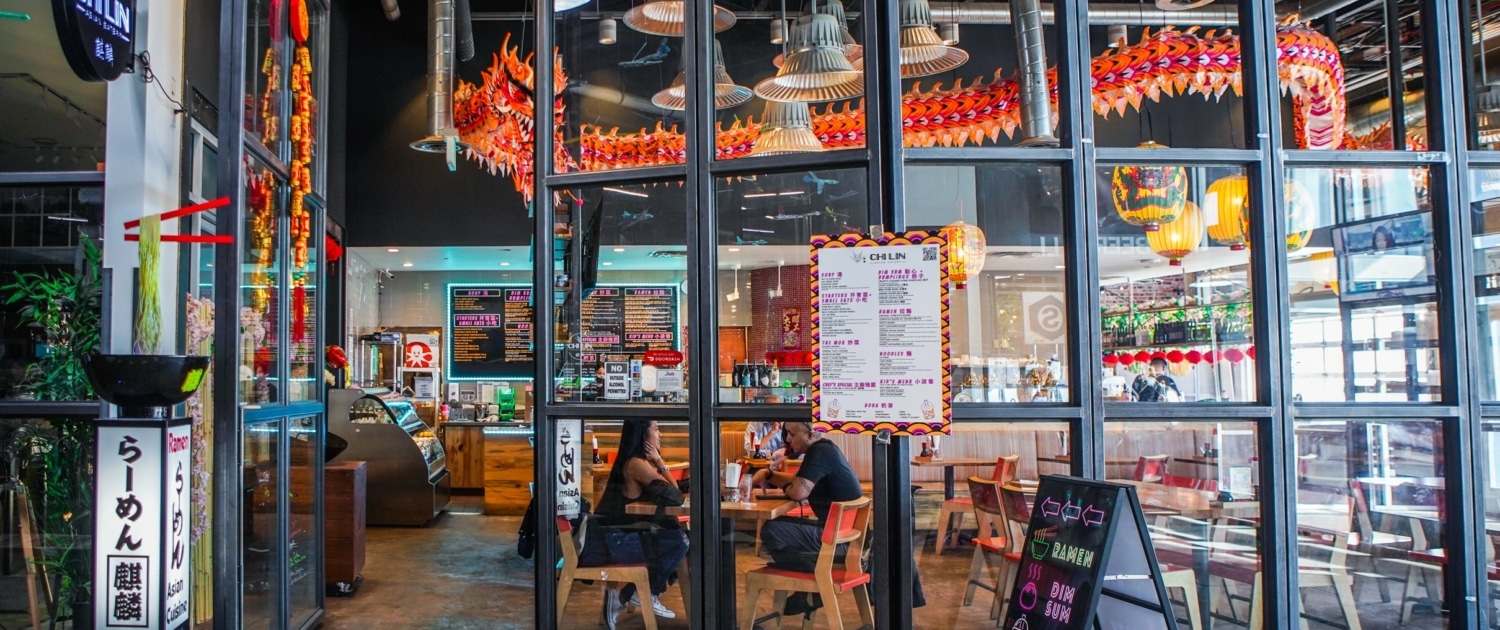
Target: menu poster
(489, 332)
(1087, 562)
(1386, 257)
(880, 333)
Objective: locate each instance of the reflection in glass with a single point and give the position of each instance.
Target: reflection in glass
(260, 349)
(263, 545)
(1485, 213)
(619, 280)
(1370, 513)
(1197, 482)
(765, 316)
(1177, 320)
(1363, 286)
(266, 75)
(303, 543)
(1009, 316)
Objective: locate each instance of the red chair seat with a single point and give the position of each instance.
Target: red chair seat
(1013, 556)
(801, 511)
(1430, 556)
(842, 579)
(992, 544)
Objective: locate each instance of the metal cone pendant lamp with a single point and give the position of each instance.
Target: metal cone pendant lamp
(852, 50)
(667, 17)
(922, 49)
(787, 128)
(816, 70)
(726, 93)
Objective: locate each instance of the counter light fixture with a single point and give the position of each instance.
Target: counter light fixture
(504, 264)
(406, 264)
(619, 249)
(392, 249)
(622, 191)
(607, 264)
(734, 249)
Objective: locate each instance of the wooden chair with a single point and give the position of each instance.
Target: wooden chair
(1151, 468)
(636, 574)
(1196, 483)
(848, 523)
(1311, 573)
(1375, 546)
(987, 549)
(1005, 470)
(1018, 517)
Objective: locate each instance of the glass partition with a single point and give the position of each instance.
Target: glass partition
(1370, 518)
(1177, 322)
(1363, 288)
(261, 380)
(260, 535)
(620, 273)
(1009, 314)
(1484, 186)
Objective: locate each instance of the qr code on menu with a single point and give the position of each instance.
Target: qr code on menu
(929, 254)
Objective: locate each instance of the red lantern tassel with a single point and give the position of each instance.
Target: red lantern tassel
(299, 314)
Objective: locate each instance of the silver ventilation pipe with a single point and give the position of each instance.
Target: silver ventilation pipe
(441, 132)
(464, 29)
(392, 10)
(1036, 101)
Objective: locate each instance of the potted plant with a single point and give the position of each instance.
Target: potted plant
(64, 311)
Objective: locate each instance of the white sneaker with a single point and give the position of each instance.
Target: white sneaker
(612, 607)
(657, 607)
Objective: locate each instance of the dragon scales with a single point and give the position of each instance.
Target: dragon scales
(496, 118)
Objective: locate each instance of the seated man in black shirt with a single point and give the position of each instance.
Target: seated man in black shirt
(824, 477)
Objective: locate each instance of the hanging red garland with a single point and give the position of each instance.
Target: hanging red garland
(1193, 356)
(1175, 356)
(1250, 352)
(299, 314)
(1110, 360)
(1208, 357)
(1234, 355)
(1126, 359)
(1142, 356)
(1158, 355)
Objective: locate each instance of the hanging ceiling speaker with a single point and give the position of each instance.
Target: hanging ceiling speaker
(923, 52)
(817, 69)
(666, 17)
(787, 128)
(726, 93)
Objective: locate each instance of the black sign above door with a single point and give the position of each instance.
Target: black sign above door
(97, 36)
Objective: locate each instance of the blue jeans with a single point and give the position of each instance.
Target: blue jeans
(630, 546)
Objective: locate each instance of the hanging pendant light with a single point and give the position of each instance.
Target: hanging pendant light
(1149, 196)
(966, 252)
(817, 69)
(778, 31)
(786, 128)
(1301, 208)
(1178, 238)
(1229, 198)
(726, 93)
(854, 52)
(607, 31)
(667, 17)
(923, 52)
(949, 33)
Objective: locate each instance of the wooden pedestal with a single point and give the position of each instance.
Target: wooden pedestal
(344, 521)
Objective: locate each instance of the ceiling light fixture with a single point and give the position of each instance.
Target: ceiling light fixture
(778, 31)
(923, 52)
(786, 128)
(504, 264)
(667, 17)
(734, 249)
(726, 92)
(852, 50)
(558, 6)
(1119, 35)
(607, 264)
(392, 250)
(608, 31)
(406, 264)
(622, 191)
(619, 249)
(949, 32)
(816, 70)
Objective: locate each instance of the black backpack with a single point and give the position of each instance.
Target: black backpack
(526, 537)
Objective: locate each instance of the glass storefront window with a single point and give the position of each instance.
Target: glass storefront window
(304, 547)
(1175, 273)
(620, 274)
(267, 74)
(1145, 93)
(1009, 322)
(260, 349)
(1370, 511)
(1198, 488)
(1484, 97)
(1355, 42)
(1485, 213)
(1363, 285)
(306, 303)
(765, 317)
(261, 530)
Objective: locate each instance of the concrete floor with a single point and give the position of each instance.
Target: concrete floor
(462, 572)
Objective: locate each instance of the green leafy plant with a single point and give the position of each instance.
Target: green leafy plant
(65, 309)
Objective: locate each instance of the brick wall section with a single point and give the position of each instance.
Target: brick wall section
(765, 330)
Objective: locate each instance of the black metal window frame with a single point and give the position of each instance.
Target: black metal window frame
(1274, 412)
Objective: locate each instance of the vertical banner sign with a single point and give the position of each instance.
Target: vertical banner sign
(880, 333)
(569, 494)
(421, 352)
(1087, 558)
(142, 512)
(791, 329)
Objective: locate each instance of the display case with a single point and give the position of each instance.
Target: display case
(407, 479)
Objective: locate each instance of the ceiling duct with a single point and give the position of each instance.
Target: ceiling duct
(1036, 106)
(464, 30)
(442, 136)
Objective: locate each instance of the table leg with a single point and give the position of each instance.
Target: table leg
(1205, 581)
(729, 600)
(948, 482)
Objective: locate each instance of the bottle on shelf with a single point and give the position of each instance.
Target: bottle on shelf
(775, 374)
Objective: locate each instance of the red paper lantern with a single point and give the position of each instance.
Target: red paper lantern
(1250, 352)
(1193, 356)
(1208, 357)
(1158, 355)
(1142, 356)
(1110, 359)
(1126, 359)
(1234, 355)
(1175, 356)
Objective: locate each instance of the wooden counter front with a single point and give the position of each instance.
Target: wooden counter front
(508, 471)
(463, 446)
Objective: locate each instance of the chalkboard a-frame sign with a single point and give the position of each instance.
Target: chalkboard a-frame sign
(97, 36)
(1087, 562)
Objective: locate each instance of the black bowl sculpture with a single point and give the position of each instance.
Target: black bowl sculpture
(144, 385)
(333, 447)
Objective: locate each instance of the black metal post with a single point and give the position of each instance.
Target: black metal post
(1395, 73)
(543, 335)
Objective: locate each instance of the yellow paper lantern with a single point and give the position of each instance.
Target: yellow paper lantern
(1178, 238)
(1149, 196)
(966, 251)
(1229, 197)
(1301, 207)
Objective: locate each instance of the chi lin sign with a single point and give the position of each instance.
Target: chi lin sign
(142, 515)
(97, 36)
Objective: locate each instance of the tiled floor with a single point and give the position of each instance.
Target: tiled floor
(462, 572)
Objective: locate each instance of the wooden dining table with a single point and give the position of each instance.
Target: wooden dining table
(948, 464)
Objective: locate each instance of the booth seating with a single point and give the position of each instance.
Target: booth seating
(848, 522)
